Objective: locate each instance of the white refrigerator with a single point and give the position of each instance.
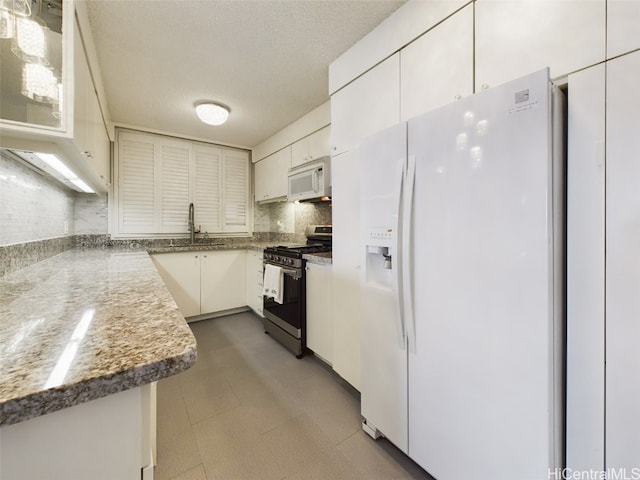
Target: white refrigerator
(462, 284)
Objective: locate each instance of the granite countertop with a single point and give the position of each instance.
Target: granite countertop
(199, 247)
(324, 258)
(82, 325)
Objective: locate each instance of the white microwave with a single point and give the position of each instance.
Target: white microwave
(311, 180)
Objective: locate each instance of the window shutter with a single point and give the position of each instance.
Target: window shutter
(157, 177)
(236, 187)
(137, 186)
(174, 184)
(207, 187)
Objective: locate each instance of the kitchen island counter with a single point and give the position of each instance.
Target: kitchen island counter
(82, 325)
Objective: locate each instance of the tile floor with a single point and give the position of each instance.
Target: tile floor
(250, 410)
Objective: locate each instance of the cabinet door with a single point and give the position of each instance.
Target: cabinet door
(369, 104)
(623, 34)
(319, 313)
(223, 280)
(271, 175)
(181, 274)
(89, 133)
(300, 152)
(319, 143)
(586, 270)
(255, 274)
(347, 254)
(623, 266)
(311, 147)
(100, 158)
(438, 67)
(517, 37)
(81, 81)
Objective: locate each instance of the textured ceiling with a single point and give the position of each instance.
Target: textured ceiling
(266, 59)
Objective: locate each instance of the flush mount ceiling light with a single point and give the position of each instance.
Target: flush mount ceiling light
(212, 113)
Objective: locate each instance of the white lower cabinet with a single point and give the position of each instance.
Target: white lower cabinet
(255, 277)
(105, 439)
(319, 311)
(205, 282)
(223, 280)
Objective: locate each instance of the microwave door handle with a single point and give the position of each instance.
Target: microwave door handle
(314, 181)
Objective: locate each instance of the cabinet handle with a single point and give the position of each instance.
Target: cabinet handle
(87, 154)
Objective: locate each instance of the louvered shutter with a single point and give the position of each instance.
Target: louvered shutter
(174, 187)
(158, 176)
(207, 188)
(235, 191)
(137, 183)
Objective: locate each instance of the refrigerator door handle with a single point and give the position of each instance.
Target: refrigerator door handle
(407, 266)
(398, 261)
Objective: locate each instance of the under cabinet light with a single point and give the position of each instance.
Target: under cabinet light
(55, 163)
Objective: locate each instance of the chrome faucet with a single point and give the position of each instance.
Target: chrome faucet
(192, 226)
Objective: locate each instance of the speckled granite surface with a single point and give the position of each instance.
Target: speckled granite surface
(320, 258)
(82, 325)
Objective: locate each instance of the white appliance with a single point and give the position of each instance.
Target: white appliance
(310, 180)
(462, 288)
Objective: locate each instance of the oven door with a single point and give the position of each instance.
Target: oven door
(289, 315)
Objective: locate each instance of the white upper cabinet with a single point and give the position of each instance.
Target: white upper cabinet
(71, 126)
(271, 176)
(365, 106)
(517, 37)
(311, 147)
(623, 19)
(89, 132)
(438, 67)
(622, 265)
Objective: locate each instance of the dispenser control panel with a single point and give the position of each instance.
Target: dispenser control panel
(380, 236)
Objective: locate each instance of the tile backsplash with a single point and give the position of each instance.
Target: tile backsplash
(40, 217)
(290, 219)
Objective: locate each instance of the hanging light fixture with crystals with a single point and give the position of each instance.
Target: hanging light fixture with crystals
(9, 11)
(39, 83)
(29, 42)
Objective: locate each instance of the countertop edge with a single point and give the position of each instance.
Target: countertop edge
(37, 404)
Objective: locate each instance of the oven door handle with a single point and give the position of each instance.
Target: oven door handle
(291, 272)
(296, 274)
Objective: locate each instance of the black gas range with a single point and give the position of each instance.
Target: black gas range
(286, 321)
